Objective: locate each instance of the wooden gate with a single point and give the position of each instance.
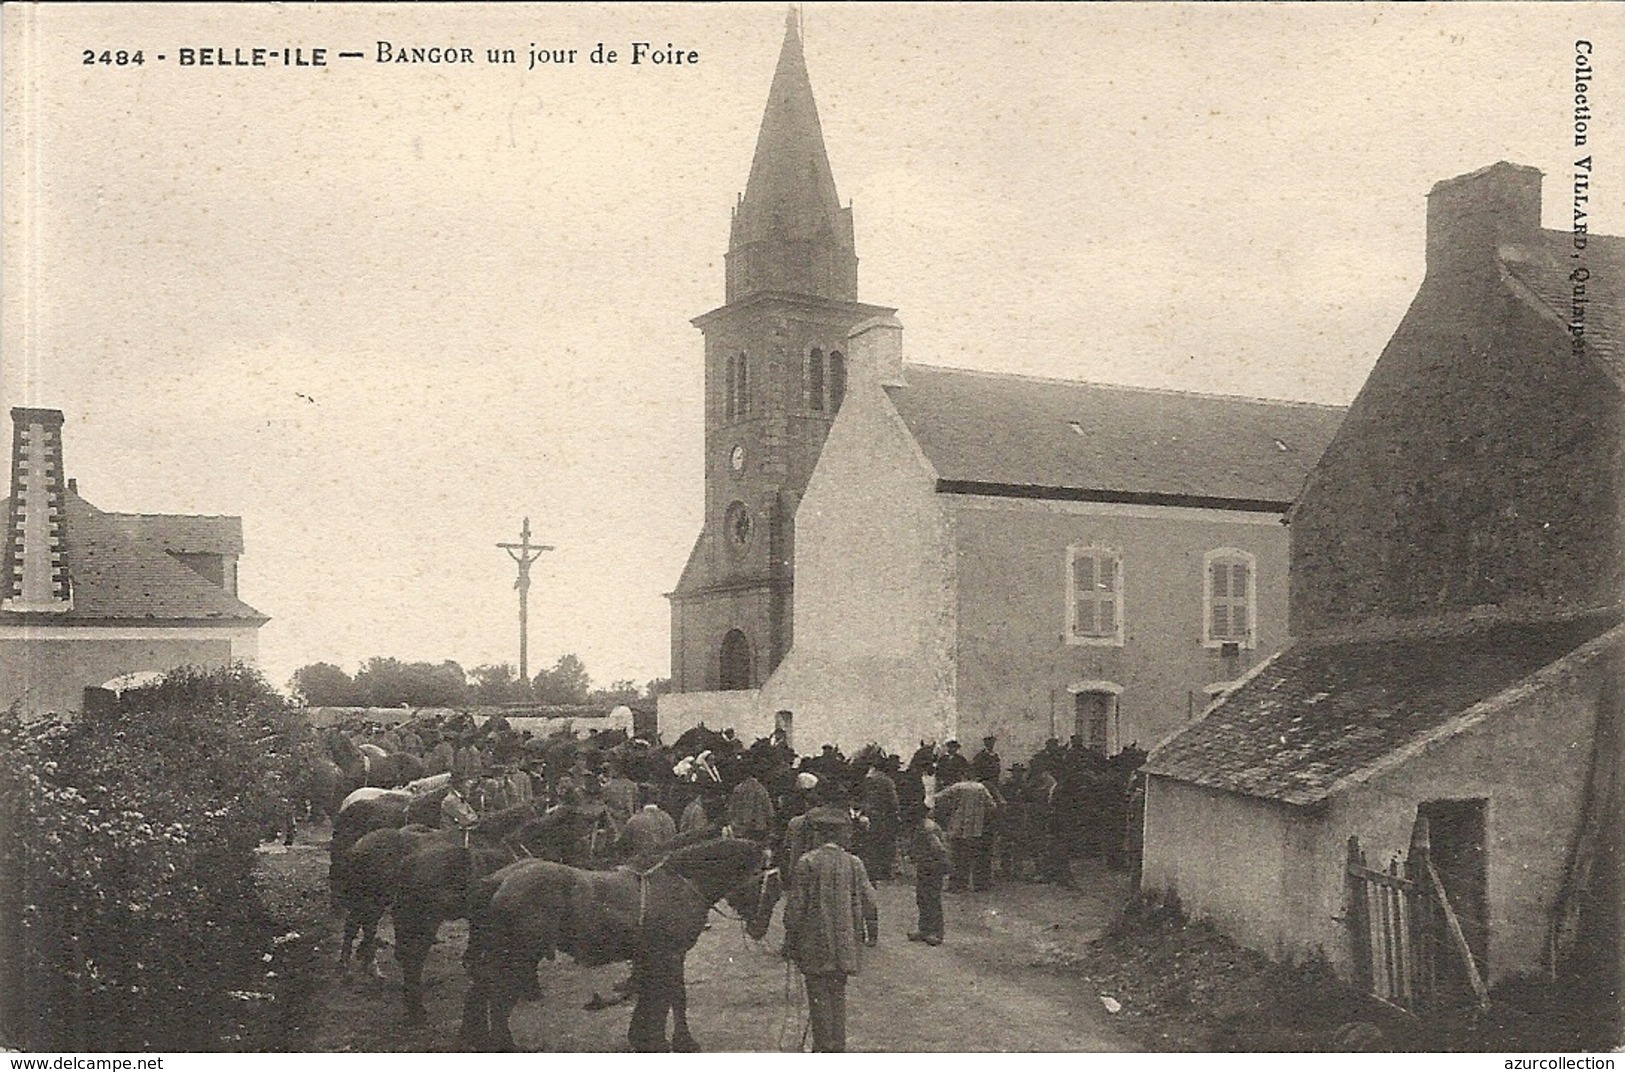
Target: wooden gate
(1396, 919)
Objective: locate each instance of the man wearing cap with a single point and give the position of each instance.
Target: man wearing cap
(807, 831)
(828, 910)
(953, 767)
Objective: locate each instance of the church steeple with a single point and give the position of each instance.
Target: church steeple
(775, 377)
(790, 233)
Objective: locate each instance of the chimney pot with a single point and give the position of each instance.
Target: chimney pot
(1471, 216)
(875, 350)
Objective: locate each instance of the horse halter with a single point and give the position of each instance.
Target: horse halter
(761, 894)
(711, 906)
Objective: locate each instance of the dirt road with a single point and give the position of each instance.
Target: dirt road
(979, 991)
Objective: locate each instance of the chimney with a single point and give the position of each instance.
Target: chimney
(35, 572)
(1472, 215)
(874, 351)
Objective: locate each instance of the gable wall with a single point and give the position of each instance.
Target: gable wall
(873, 656)
(1529, 761)
(1450, 485)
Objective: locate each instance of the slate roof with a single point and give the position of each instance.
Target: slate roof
(121, 570)
(208, 534)
(1029, 432)
(1323, 712)
(1545, 270)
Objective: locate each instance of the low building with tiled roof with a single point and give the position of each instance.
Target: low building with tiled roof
(1452, 696)
(88, 597)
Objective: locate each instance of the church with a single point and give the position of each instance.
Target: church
(775, 377)
(896, 552)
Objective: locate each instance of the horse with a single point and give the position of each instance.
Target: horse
(364, 879)
(367, 764)
(580, 835)
(701, 738)
(534, 909)
(405, 869)
(388, 809)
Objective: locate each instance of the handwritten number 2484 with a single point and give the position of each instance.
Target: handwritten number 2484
(120, 58)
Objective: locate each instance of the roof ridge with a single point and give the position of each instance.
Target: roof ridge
(1456, 625)
(202, 517)
(1591, 236)
(1064, 381)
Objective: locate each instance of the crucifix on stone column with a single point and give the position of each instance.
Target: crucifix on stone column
(524, 553)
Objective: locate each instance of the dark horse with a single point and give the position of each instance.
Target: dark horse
(369, 766)
(534, 909)
(396, 808)
(423, 877)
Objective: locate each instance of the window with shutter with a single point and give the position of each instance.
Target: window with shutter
(1228, 594)
(1094, 596)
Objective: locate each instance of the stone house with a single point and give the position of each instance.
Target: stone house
(88, 597)
(1456, 583)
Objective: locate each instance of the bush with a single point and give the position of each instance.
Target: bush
(128, 913)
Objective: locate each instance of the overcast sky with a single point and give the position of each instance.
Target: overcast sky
(384, 311)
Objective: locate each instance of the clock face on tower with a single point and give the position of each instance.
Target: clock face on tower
(737, 459)
(737, 524)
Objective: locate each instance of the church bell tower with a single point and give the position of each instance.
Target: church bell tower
(775, 376)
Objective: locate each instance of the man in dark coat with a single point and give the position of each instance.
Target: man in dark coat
(986, 766)
(1015, 843)
(878, 845)
(953, 767)
(929, 851)
(828, 911)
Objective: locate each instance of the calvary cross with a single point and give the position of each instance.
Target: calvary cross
(524, 553)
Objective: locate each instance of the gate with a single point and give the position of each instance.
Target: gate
(1401, 923)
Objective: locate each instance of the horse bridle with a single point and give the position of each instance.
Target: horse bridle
(713, 906)
(761, 893)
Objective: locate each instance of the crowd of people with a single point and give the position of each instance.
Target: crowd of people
(835, 825)
(1027, 822)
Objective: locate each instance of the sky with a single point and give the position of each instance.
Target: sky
(384, 311)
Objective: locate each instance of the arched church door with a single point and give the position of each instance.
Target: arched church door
(736, 661)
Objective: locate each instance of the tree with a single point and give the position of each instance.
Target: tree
(618, 693)
(496, 683)
(566, 683)
(324, 685)
(128, 905)
(387, 682)
(657, 687)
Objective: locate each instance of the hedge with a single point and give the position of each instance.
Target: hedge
(129, 919)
